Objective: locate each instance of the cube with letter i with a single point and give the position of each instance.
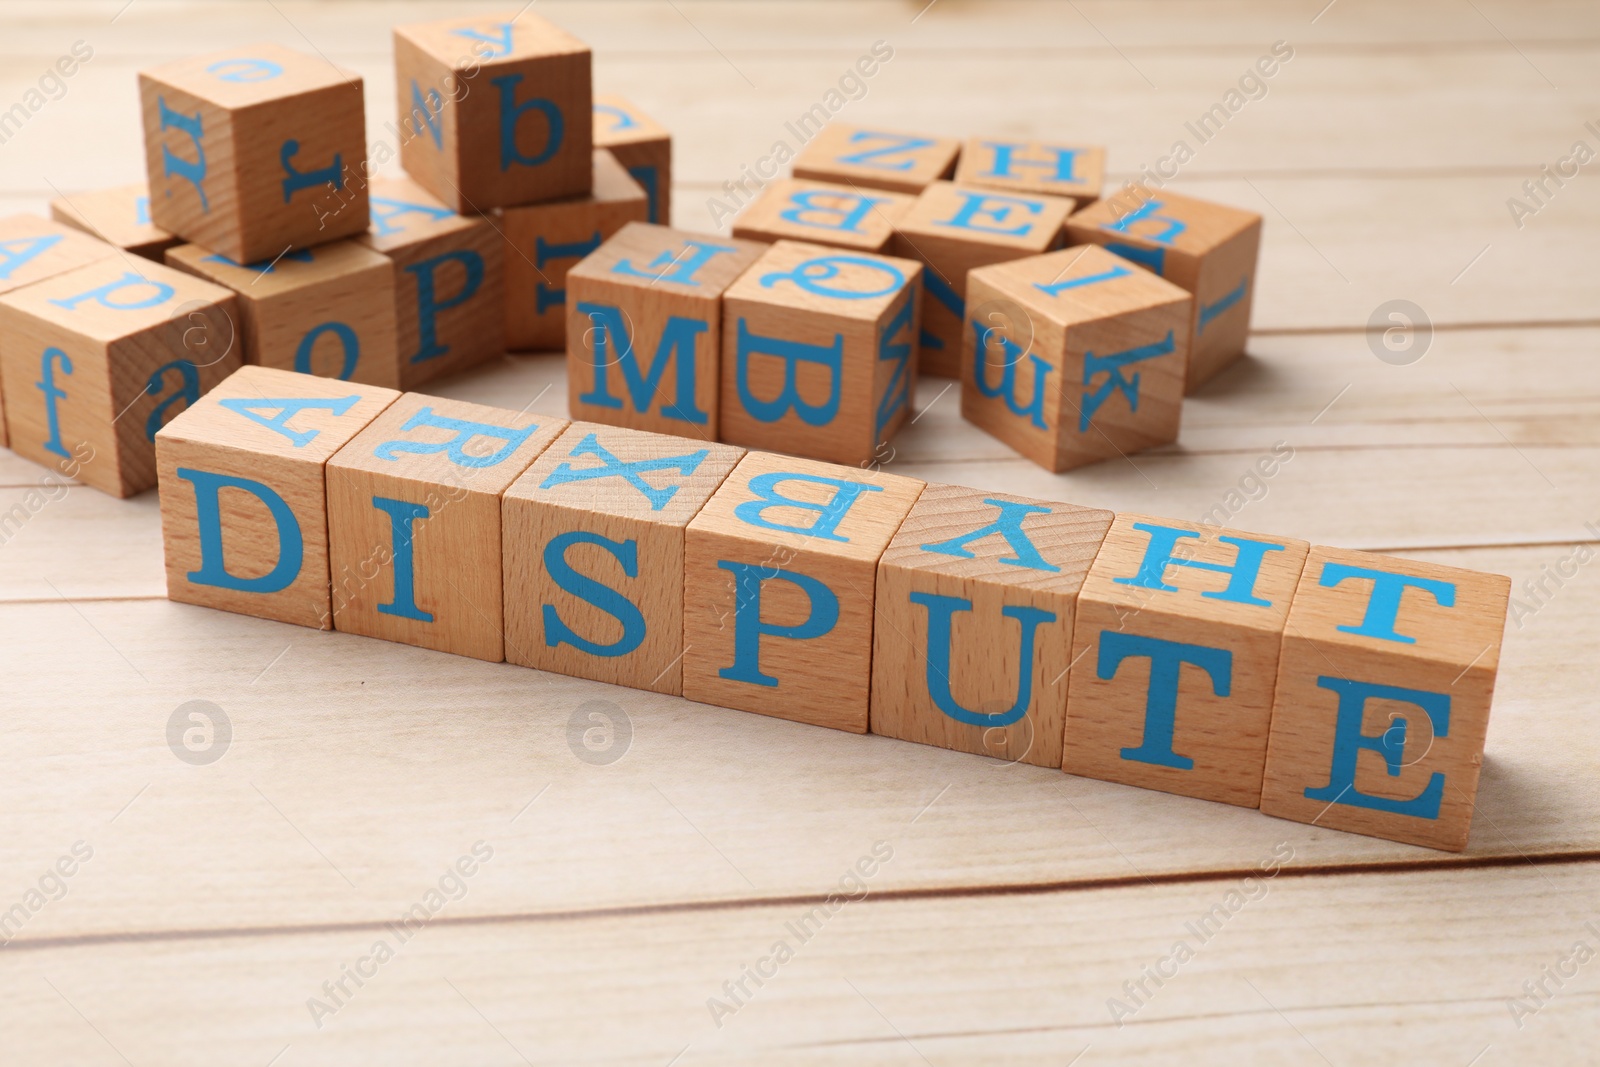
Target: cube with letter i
(819, 352)
(119, 216)
(96, 360)
(494, 109)
(414, 521)
(644, 329)
(799, 210)
(952, 230)
(545, 241)
(973, 631)
(1075, 171)
(1208, 249)
(1176, 650)
(327, 310)
(254, 151)
(1074, 356)
(876, 159)
(594, 546)
(778, 588)
(642, 146)
(1382, 705)
(449, 280)
(244, 512)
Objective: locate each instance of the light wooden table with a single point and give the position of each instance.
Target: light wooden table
(621, 897)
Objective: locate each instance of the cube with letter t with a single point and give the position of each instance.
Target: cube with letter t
(1383, 694)
(780, 568)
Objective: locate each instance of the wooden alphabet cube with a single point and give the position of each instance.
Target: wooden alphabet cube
(1075, 171)
(951, 230)
(594, 550)
(32, 249)
(450, 280)
(1074, 356)
(119, 217)
(642, 145)
(414, 520)
(778, 588)
(96, 360)
(495, 110)
(819, 352)
(1176, 646)
(644, 329)
(255, 151)
(972, 629)
(328, 310)
(876, 159)
(544, 241)
(1384, 685)
(1208, 249)
(244, 510)
(825, 214)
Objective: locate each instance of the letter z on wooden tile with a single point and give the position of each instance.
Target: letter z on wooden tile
(414, 516)
(972, 629)
(780, 568)
(244, 511)
(1383, 696)
(876, 159)
(594, 550)
(1176, 653)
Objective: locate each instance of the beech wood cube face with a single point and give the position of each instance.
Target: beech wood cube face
(449, 280)
(1176, 645)
(1382, 705)
(778, 579)
(642, 145)
(594, 552)
(327, 310)
(973, 624)
(244, 511)
(1075, 171)
(414, 519)
(32, 249)
(644, 329)
(876, 159)
(495, 110)
(1074, 357)
(819, 352)
(952, 230)
(799, 210)
(545, 241)
(1208, 249)
(119, 217)
(254, 151)
(96, 360)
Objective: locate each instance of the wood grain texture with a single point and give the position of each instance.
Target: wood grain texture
(875, 158)
(642, 145)
(822, 213)
(37, 248)
(119, 216)
(1075, 171)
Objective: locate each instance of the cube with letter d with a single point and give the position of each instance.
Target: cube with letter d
(244, 512)
(779, 573)
(1382, 704)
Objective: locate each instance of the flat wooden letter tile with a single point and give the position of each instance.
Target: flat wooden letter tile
(640, 144)
(450, 280)
(494, 110)
(1208, 249)
(1382, 704)
(825, 214)
(256, 150)
(1033, 167)
(973, 625)
(1074, 357)
(819, 352)
(96, 360)
(1176, 646)
(644, 330)
(594, 548)
(951, 230)
(414, 521)
(876, 159)
(243, 507)
(119, 216)
(778, 588)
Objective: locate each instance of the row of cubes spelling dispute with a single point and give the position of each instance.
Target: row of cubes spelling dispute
(276, 243)
(1341, 688)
